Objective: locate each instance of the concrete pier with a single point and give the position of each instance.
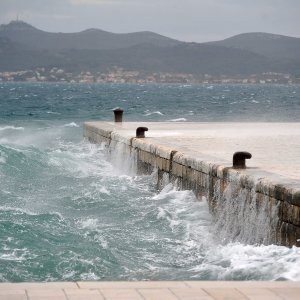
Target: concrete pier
(199, 156)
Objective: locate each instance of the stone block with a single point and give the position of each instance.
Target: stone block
(259, 294)
(157, 294)
(83, 294)
(262, 186)
(121, 294)
(213, 170)
(13, 294)
(289, 213)
(191, 294)
(296, 198)
(281, 192)
(177, 169)
(220, 171)
(46, 294)
(287, 293)
(230, 174)
(295, 217)
(141, 145)
(289, 234)
(225, 293)
(202, 167)
(163, 151)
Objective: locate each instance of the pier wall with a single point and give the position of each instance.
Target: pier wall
(219, 184)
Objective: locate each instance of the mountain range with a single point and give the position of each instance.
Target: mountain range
(24, 47)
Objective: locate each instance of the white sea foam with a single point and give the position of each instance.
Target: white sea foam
(89, 223)
(11, 128)
(161, 213)
(236, 260)
(104, 190)
(53, 113)
(17, 210)
(69, 275)
(89, 276)
(178, 120)
(99, 187)
(80, 160)
(183, 212)
(219, 260)
(14, 255)
(149, 113)
(72, 124)
(167, 190)
(30, 212)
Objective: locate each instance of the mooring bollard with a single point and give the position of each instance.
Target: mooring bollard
(239, 159)
(118, 114)
(140, 132)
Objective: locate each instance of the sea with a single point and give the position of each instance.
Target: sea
(67, 212)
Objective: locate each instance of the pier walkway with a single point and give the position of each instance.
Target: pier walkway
(275, 147)
(151, 290)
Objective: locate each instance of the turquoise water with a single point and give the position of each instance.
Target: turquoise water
(67, 213)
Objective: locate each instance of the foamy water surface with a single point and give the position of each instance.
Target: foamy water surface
(69, 211)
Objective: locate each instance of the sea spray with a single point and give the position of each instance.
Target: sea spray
(83, 217)
(69, 213)
(123, 157)
(240, 217)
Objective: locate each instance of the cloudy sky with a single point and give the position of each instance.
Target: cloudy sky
(188, 20)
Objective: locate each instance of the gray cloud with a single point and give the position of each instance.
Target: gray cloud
(190, 20)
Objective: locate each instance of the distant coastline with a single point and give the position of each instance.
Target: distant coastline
(119, 75)
(95, 56)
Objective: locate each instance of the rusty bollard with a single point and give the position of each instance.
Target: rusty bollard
(239, 159)
(140, 132)
(118, 115)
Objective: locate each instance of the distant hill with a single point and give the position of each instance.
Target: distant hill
(24, 47)
(15, 56)
(273, 46)
(91, 39)
(185, 58)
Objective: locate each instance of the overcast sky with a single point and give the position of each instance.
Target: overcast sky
(188, 20)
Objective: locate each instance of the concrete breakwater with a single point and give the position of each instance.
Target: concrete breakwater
(259, 204)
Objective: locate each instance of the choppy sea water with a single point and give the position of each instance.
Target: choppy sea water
(68, 213)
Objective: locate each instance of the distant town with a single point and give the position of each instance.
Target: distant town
(119, 75)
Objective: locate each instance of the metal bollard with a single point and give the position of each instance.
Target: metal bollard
(239, 159)
(140, 132)
(118, 115)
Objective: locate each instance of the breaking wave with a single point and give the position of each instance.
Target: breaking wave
(11, 128)
(71, 210)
